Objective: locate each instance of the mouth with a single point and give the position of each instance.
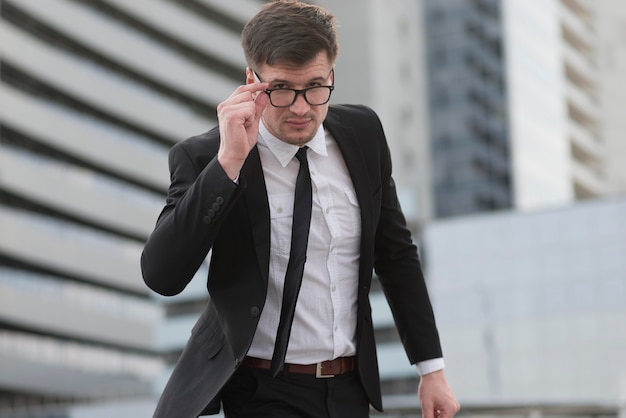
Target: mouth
(298, 123)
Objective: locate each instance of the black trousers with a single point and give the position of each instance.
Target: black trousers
(255, 393)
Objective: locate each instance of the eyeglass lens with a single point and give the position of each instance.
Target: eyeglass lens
(314, 96)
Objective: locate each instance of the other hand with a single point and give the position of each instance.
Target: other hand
(436, 396)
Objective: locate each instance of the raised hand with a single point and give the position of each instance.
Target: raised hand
(239, 117)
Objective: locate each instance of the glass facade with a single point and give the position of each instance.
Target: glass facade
(467, 101)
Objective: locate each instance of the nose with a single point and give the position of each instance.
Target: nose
(300, 106)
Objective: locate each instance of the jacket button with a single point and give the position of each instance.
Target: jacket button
(210, 212)
(207, 220)
(219, 200)
(215, 206)
(255, 311)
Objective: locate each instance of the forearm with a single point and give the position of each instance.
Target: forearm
(400, 272)
(187, 227)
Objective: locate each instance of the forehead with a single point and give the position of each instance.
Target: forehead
(318, 67)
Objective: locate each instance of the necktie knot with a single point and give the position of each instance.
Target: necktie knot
(301, 154)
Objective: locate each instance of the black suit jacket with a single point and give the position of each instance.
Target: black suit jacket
(206, 210)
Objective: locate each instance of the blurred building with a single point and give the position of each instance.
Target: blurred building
(532, 306)
(469, 128)
(520, 105)
(93, 93)
(610, 47)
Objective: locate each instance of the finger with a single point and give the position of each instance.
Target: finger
(447, 411)
(243, 95)
(260, 103)
(236, 111)
(253, 88)
(428, 411)
(239, 97)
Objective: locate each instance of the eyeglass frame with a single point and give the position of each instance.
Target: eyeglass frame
(297, 92)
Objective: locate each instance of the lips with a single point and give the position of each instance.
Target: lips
(298, 124)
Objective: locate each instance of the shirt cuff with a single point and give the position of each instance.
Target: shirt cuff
(236, 179)
(429, 366)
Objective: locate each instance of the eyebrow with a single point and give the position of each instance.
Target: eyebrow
(280, 80)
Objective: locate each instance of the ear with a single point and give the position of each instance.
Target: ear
(249, 76)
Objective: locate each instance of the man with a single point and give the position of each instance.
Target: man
(238, 190)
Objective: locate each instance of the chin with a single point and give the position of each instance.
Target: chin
(298, 138)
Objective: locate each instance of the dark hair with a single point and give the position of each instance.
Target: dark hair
(287, 31)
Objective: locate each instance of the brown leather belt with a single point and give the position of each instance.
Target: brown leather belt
(328, 368)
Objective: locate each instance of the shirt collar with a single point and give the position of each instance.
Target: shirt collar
(285, 152)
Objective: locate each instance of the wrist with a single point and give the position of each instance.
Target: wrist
(232, 167)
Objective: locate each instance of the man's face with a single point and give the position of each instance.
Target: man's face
(297, 123)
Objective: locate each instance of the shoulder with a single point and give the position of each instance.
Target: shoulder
(351, 111)
(199, 149)
(206, 142)
(358, 128)
(359, 117)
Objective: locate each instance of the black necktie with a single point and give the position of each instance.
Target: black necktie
(297, 256)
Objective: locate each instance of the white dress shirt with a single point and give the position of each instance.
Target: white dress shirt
(324, 325)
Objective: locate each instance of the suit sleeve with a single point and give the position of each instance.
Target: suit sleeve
(198, 199)
(399, 270)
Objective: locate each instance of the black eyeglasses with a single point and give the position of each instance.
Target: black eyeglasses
(284, 97)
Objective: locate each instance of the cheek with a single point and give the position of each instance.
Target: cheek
(269, 115)
(322, 111)
(272, 119)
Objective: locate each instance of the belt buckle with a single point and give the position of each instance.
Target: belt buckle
(318, 372)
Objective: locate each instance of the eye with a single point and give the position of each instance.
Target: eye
(279, 86)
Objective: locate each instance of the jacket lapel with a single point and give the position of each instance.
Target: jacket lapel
(353, 156)
(255, 195)
(352, 152)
